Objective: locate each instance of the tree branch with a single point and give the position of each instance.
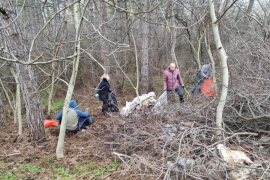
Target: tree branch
(250, 119)
(137, 15)
(236, 134)
(226, 11)
(250, 16)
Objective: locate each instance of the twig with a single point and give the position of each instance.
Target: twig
(178, 156)
(119, 156)
(18, 153)
(236, 134)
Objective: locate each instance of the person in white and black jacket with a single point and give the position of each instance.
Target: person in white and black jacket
(103, 92)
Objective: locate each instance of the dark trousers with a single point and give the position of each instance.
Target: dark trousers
(105, 105)
(179, 92)
(198, 82)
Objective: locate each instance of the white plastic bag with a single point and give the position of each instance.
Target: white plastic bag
(232, 156)
(130, 106)
(162, 100)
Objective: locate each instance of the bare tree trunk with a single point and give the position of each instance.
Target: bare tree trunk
(2, 115)
(9, 101)
(130, 53)
(53, 64)
(207, 44)
(119, 57)
(250, 6)
(221, 6)
(51, 89)
(104, 46)
(173, 38)
(17, 109)
(151, 53)
(238, 14)
(92, 64)
(223, 58)
(39, 12)
(77, 23)
(18, 98)
(94, 74)
(144, 53)
(118, 26)
(31, 17)
(249, 9)
(27, 78)
(24, 22)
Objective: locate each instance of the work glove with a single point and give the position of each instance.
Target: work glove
(164, 89)
(97, 95)
(183, 86)
(207, 77)
(87, 109)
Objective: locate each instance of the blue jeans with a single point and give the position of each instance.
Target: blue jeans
(179, 92)
(198, 82)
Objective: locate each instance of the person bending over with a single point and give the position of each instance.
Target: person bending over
(205, 73)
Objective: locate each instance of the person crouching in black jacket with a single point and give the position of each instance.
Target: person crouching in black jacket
(103, 92)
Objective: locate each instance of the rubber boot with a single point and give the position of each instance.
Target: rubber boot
(182, 100)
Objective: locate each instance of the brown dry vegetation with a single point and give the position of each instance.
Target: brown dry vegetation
(147, 144)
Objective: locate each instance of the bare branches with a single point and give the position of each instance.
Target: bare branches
(34, 61)
(225, 11)
(172, 144)
(135, 13)
(176, 27)
(250, 119)
(123, 45)
(250, 16)
(120, 157)
(179, 153)
(150, 22)
(93, 59)
(33, 41)
(230, 137)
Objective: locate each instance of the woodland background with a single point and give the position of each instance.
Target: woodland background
(42, 42)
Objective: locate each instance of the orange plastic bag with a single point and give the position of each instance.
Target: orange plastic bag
(49, 123)
(208, 88)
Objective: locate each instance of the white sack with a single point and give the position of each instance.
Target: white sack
(232, 156)
(162, 99)
(130, 106)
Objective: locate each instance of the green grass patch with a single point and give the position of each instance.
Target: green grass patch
(58, 105)
(32, 169)
(114, 165)
(81, 170)
(1, 163)
(9, 176)
(63, 172)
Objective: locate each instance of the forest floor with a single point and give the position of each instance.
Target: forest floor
(86, 155)
(131, 147)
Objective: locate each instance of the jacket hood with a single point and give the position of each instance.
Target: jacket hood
(104, 79)
(73, 104)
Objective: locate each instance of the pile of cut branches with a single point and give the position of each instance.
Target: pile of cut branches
(178, 142)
